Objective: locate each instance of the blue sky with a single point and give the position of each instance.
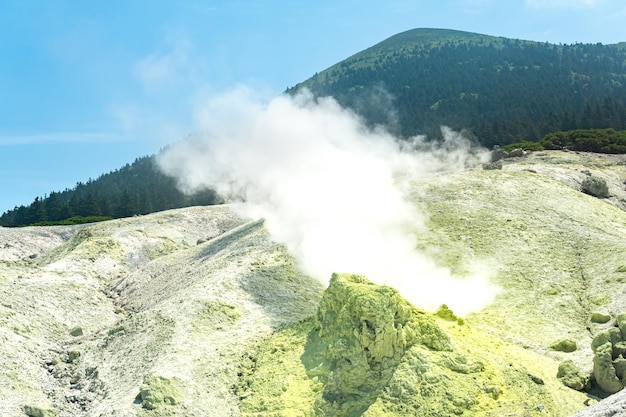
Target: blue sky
(86, 87)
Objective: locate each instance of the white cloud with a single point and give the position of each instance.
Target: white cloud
(159, 70)
(174, 65)
(328, 188)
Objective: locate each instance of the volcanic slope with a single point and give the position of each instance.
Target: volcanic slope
(197, 312)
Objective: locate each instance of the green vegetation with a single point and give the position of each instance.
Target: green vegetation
(75, 220)
(609, 141)
(137, 188)
(525, 145)
(595, 140)
(501, 90)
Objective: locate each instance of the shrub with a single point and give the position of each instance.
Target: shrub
(595, 186)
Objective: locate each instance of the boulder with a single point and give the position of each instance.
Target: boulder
(571, 376)
(612, 336)
(76, 331)
(498, 153)
(491, 166)
(516, 153)
(604, 371)
(157, 391)
(564, 345)
(36, 411)
(599, 317)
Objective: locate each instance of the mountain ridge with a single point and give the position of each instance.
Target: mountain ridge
(501, 90)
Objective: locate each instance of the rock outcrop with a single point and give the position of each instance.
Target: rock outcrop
(368, 352)
(609, 363)
(362, 333)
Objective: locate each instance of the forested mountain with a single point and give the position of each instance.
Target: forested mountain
(501, 90)
(137, 188)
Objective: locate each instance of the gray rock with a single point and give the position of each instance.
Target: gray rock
(36, 411)
(498, 154)
(516, 153)
(76, 331)
(571, 376)
(492, 165)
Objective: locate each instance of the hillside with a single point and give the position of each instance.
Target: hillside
(197, 312)
(137, 188)
(501, 90)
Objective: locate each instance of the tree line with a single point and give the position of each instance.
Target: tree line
(608, 141)
(137, 188)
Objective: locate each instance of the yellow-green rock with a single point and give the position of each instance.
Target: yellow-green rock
(36, 411)
(157, 391)
(370, 353)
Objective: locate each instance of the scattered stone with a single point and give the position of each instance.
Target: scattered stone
(598, 317)
(157, 391)
(72, 356)
(492, 166)
(494, 391)
(537, 380)
(564, 345)
(612, 336)
(498, 154)
(595, 186)
(36, 411)
(76, 331)
(445, 313)
(571, 376)
(516, 153)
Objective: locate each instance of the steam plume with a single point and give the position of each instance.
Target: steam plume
(330, 189)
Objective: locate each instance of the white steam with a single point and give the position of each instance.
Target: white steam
(330, 189)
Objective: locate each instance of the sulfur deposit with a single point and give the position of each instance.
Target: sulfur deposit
(368, 352)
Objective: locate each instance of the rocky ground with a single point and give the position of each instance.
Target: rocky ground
(197, 312)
